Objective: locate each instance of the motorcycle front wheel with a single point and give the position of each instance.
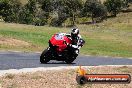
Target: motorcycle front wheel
(44, 58)
(69, 59)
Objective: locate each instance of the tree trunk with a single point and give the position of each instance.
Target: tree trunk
(114, 14)
(73, 19)
(92, 19)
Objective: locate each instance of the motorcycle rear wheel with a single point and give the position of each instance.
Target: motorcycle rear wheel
(44, 58)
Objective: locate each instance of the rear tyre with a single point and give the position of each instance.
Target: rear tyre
(44, 58)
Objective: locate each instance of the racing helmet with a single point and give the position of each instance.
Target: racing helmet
(74, 32)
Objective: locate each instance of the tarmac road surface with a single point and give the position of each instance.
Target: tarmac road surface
(19, 60)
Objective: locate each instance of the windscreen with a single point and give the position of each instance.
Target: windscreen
(59, 36)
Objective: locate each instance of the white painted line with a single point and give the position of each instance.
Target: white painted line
(25, 70)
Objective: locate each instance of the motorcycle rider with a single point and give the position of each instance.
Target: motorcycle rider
(77, 41)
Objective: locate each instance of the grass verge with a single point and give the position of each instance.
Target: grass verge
(113, 37)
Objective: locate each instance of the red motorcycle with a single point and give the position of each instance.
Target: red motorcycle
(59, 50)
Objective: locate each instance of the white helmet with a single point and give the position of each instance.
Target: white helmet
(74, 32)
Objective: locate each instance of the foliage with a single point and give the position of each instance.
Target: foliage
(95, 9)
(56, 12)
(10, 10)
(28, 12)
(74, 8)
(39, 22)
(63, 9)
(113, 6)
(60, 13)
(46, 5)
(125, 3)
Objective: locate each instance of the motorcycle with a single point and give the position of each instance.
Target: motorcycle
(59, 49)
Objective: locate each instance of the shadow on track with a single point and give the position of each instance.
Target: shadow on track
(58, 63)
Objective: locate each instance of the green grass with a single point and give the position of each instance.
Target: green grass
(37, 36)
(109, 42)
(113, 37)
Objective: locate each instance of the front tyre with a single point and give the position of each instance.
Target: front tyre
(44, 58)
(69, 60)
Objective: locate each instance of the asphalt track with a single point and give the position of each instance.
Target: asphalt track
(19, 60)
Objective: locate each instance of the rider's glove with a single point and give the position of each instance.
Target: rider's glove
(68, 44)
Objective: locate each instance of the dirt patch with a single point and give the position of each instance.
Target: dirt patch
(60, 79)
(12, 42)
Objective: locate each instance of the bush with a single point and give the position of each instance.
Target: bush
(40, 22)
(56, 22)
(113, 6)
(9, 10)
(95, 9)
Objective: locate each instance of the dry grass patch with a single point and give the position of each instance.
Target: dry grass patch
(125, 69)
(12, 42)
(9, 76)
(62, 78)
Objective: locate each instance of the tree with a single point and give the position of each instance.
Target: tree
(74, 8)
(125, 4)
(60, 11)
(45, 10)
(95, 9)
(130, 1)
(9, 10)
(28, 12)
(46, 6)
(4, 8)
(113, 6)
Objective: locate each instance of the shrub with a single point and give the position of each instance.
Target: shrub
(39, 22)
